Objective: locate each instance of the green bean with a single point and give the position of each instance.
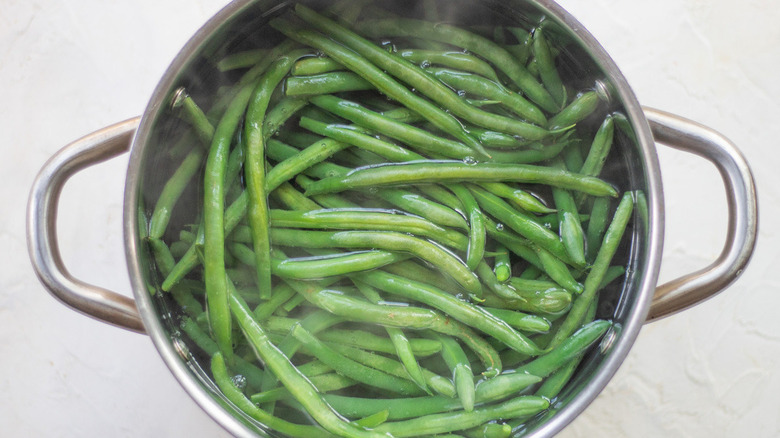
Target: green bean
(579, 108)
(475, 44)
(566, 350)
(333, 265)
(359, 138)
(408, 134)
(458, 420)
(490, 430)
(426, 85)
(531, 155)
(367, 219)
(410, 407)
(281, 294)
(369, 341)
(477, 233)
(226, 385)
(194, 115)
(597, 224)
(405, 200)
(293, 199)
(456, 360)
(570, 228)
(502, 267)
(387, 240)
(295, 382)
(315, 65)
(435, 382)
(521, 198)
(324, 383)
(520, 223)
(456, 60)
(255, 167)
(552, 302)
(609, 246)
(500, 140)
(457, 171)
(213, 221)
(325, 83)
(352, 369)
(558, 271)
(521, 321)
(547, 70)
(462, 311)
(373, 420)
(395, 316)
(489, 89)
(381, 80)
(244, 59)
(599, 149)
(402, 345)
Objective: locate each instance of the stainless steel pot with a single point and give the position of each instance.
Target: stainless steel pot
(640, 301)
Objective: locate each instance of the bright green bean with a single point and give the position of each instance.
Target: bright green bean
(548, 73)
(422, 82)
(325, 83)
(502, 267)
(295, 382)
(612, 239)
(488, 89)
(255, 167)
(475, 44)
(457, 171)
(381, 80)
(458, 60)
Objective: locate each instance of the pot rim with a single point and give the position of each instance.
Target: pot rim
(171, 352)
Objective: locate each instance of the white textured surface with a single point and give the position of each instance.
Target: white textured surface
(68, 68)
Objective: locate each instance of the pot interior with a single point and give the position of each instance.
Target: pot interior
(164, 140)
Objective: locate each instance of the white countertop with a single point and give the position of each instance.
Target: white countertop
(69, 68)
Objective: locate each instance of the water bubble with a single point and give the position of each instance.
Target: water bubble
(373, 190)
(425, 64)
(240, 381)
(470, 161)
(500, 226)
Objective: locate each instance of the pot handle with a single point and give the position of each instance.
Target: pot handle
(689, 136)
(99, 303)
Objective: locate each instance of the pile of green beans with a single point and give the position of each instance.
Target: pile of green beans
(402, 229)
